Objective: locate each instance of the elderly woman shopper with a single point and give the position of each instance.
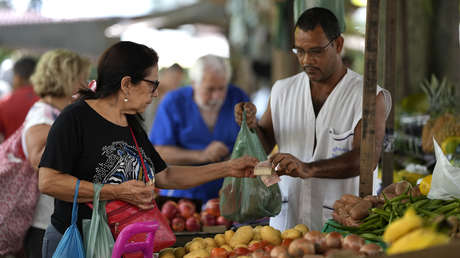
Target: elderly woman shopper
(94, 140)
(58, 75)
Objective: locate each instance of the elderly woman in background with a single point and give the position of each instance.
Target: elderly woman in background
(99, 139)
(58, 75)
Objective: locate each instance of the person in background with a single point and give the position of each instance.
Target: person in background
(14, 106)
(195, 124)
(315, 118)
(59, 75)
(100, 139)
(171, 78)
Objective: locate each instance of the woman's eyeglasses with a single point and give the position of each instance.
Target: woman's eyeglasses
(154, 84)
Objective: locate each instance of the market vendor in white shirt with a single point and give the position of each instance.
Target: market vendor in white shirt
(315, 118)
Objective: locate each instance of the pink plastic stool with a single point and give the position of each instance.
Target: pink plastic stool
(122, 246)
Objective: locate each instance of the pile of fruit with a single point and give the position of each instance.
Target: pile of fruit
(444, 116)
(183, 215)
(411, 233)
(265, 241)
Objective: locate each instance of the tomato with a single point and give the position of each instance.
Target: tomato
(268, 248)
(219, 252)
(286, 242)
(241, 251)
(255, 246)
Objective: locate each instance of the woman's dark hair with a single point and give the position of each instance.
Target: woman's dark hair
(124, 58)
(319, 16)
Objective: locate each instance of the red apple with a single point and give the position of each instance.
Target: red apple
(192, 224)
(186, 209)
(212, 206)
(223, 221)
(169, 209)
(207, 219)
(178, 224)
(196, 215)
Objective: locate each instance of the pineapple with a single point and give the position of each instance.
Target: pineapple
(444, 120)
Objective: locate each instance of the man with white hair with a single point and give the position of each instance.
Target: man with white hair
(195, 125)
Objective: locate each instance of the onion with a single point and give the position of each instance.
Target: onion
(334, 240)
(317, 238)
(371, 249)
(279, 251)
(300, 247)
(353, 242)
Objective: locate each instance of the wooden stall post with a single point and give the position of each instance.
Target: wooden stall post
(389, 82)
(369, 90)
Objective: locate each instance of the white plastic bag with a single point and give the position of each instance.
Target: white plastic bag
(445, 183)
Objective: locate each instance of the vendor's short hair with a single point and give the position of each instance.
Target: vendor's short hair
(57, 71)
(313, 17)
(210, 63)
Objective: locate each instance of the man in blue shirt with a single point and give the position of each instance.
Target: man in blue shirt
(195, 125)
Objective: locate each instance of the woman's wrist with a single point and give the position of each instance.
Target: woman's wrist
(109, 192)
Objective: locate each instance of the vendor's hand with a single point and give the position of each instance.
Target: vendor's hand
(286, 164)
(242, 167)
(214, 152)
(136, 193)
(251, 111)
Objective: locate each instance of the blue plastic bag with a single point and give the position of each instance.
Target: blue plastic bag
(71, 244)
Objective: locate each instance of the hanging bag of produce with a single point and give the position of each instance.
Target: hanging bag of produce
(248, 199)
(96, 232)
(71, 244)
(445, 183)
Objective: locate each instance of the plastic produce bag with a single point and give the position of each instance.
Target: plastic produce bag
(248, 199)
(96, 232)
(71, 244)
(445, 183)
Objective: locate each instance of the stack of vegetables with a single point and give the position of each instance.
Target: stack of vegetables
(369, 216)
(267, 242)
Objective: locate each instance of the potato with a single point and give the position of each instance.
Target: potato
(291, 234)
(167, 253)
(210, 242)
(401, 187)
(220, 239)
(241, 246)
(257, 236)
(179, 252)
(302, 228)
(209, 248)
(271, 235)
(361, 209)
(227, 247)
(349, 199)
(187, 246)
(197, 244)
(201, 253)
(279, 251)
(228, 235)
(242, 236)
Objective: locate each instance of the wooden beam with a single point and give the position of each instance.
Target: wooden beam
(389, 82)
(367, 154)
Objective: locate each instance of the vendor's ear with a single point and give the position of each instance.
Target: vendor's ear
(339, 43)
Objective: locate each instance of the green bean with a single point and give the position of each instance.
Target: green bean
(447, 208)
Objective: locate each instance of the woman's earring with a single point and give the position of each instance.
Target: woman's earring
(126, 99)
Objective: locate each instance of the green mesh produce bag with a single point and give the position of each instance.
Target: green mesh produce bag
(248, 199)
